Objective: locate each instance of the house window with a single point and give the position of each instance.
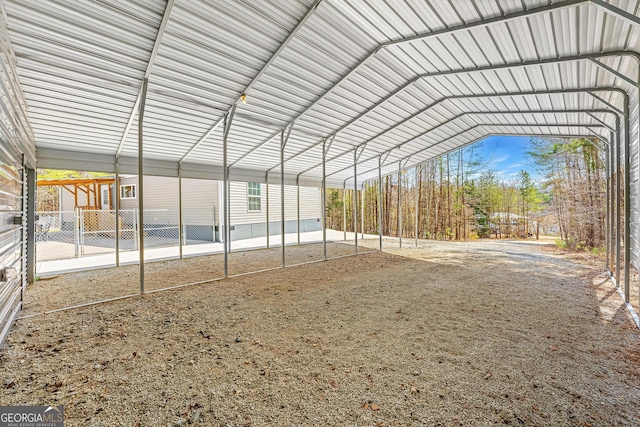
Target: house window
(128, 191)
(254, 199)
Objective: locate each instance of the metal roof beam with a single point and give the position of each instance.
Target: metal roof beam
(608, 104)
(617, 12)
(632, 54)
(487, 135)
(255, 78)
(147, 72)
(450, 30)
(601, 122)
(488, 124)
(494, 95)
(463, 27)
(614, 72)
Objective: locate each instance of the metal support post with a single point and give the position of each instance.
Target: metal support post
(266, 186)
(612, 154)
(344, 208)
(143, 99)
(298, 205)
(31, 223)
(225, 189)
(362, 191)
(400, 203)
(416, 205)
(355, 197)
(380, 228)
(627, 203)
(116, 205)
(608, 210)
(180, 219)
(618, 206)
(283, 143)
(324, 200)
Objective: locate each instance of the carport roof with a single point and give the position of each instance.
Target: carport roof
(399, 81)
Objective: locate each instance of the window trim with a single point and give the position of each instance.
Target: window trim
(133, 187)
(254, 196)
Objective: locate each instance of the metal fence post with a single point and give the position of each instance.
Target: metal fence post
(134, 227)
(76, 230)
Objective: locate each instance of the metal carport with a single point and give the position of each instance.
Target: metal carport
(355, 89)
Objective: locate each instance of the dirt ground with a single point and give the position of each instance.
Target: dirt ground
(448, 334)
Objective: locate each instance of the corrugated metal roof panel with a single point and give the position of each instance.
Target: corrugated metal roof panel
(81, 66)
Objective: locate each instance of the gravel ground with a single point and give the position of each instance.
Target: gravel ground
(97, 285)
(447, 334)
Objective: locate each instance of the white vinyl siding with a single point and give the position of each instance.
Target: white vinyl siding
(309, 204)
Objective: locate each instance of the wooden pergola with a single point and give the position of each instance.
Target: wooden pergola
(89, 186)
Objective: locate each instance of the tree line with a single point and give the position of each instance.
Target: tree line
(457, 197)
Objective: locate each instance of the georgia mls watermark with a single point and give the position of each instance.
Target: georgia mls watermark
(31, 416)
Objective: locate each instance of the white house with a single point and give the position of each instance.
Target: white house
(201, 201)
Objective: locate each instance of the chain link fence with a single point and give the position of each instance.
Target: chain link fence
(71, 234)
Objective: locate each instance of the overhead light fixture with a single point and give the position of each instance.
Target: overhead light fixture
(243, 98)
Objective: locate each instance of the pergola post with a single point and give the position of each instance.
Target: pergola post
(225, 192)
(380, 228)
(180, 218)
(143, 100)
(355, 198)
(266, 186)
(400, 203)
(116, 206)
(324, 199)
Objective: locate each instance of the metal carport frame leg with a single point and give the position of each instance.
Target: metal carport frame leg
(116, 199)
(225, 189)
(355, 198)
(324, 201)
(143, 100)
(400, 203)
(380, 228)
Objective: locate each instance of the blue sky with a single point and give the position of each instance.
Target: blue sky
(506, 156)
